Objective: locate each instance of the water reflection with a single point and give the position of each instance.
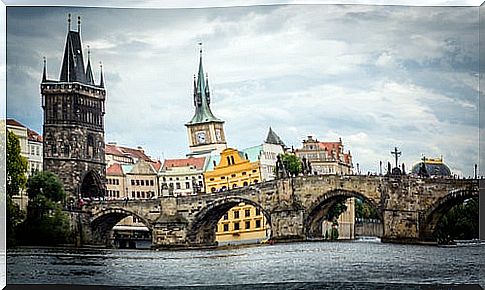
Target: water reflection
(358, 262)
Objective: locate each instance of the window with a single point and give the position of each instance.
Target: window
(212, 179)
(223, 177)
(255, 181)
(187, 185)
(236, 226)
(245, 183)
(142, 194)
(234, 185)
(232, 160)
(133, 194)
(233, 175)
(258, 224)
(258, 211)
(244, 173)
(236, 214)
(138, 194)
(248, 225)
(228, 160)
(142, 182)
(226, 216)
(137, 182)
(147, 182)
(254, 170)
(177, 185)
(132, 182)
(213, 189)
(226, 227)
(247, 213)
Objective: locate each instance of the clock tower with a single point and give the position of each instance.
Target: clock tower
(205, 131)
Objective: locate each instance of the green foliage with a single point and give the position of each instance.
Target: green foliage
(336, 209)
(45, 219)
(334, 234)
(14, 217)
(47, 184)
(364, 210)
(460, 223)
(16, 166)
(292, 163)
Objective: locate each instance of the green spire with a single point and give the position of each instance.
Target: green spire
(203, 112)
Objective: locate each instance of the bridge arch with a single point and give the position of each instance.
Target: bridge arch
(432, 215)
(319, 208)
(202, 229)
(103, 222)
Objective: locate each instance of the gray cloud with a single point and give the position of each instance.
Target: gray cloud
(377, 76)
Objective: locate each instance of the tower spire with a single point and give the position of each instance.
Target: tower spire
(101, 81)
(202, 96)
(69, 22)
(89, 72)
(44, 73)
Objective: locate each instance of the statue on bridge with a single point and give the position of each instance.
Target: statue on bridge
(306, 166)
(281, 170)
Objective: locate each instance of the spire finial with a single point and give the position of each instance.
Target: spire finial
(89, 51)
(101, 81)
(78, 23)
(44, 73)
(69, 22)
(200, 48)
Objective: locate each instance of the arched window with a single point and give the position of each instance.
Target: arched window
(234, 185)
(90, 146)
(245, 183)
(213, 189)
(232, 160)
(66, 150)
(228, 160)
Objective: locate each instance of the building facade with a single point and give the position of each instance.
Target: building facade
(243, 223)
(74, 109)
(182, 177)
(31, 149)
(205, 131)
(326, 157)
(330, 158)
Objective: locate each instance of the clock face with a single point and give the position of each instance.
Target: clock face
(201, 137)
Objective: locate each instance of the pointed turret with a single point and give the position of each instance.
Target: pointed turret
(44, 72)
(272, 138)
(101, 77)
(72, 63)
(202, 97)
(89, 72)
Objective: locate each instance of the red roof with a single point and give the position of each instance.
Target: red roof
(197, 162)
(329, 145)
(34, 136)
(111, 149)
(114, 169)
(13, 122)
(157, 165)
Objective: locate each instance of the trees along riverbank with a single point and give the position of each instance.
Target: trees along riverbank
(44, 223)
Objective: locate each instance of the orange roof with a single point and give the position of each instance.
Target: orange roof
(111, 149)
(13, 122)
(114, 169)
(329, 145)
(33, 136)
(197, 162)
(157, 165)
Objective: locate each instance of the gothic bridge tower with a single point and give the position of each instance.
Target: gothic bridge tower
(205, 131)
(74, 108)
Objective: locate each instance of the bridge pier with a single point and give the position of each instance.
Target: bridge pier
(400, 227)
(287, 225)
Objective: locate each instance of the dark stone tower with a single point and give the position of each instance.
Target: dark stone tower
(74, 122)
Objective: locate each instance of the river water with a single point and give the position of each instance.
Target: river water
(356, 262)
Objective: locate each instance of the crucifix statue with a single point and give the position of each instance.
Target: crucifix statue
(396, 154)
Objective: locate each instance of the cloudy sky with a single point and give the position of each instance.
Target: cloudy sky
(376, 76)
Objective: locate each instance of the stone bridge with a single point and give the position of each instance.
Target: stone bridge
(409, 208)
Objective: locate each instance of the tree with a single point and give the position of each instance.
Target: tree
(460, 223)
(47, 184)
(336, 209)
(292, 163)
(16, 179)
(364, 210)
(16, 166)
(45, 218)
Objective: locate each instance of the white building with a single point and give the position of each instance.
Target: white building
(181, 177)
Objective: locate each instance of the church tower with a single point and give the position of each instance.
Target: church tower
(205, 131)
(74, 122)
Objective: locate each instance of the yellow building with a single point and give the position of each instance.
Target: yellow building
(232, 169)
